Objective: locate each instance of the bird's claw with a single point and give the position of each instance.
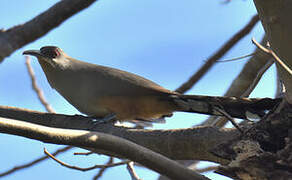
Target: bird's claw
(106, 119)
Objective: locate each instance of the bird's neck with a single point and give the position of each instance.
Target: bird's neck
(49, 71)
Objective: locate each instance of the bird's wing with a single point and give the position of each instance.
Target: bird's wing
(113, 81)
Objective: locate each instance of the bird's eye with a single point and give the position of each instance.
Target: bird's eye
(57, 52)
(50, 51)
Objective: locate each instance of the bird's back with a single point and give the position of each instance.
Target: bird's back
(113, 82)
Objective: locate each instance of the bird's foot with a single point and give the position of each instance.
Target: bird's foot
(110, 118)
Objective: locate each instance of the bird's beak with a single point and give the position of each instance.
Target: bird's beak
(36, 53)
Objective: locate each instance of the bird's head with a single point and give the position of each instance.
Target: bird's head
(50, 54)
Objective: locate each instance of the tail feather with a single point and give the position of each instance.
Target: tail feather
(235, 107)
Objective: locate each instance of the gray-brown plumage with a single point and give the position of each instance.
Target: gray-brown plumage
(99, 91)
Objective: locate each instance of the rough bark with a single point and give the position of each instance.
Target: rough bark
(263, 152)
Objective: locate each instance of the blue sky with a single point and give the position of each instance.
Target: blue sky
(161, 40)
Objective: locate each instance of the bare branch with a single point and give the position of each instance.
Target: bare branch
(271, 52)
(207, 169)
(102, 170)
(235, 59)
(18, 36)
(230, 119)
(17, 168)
(193, 166)
(221, 52)
(35, 87)
(102, 141)
(84, 153)
(195, 142)
(84, 169)
(130, 167)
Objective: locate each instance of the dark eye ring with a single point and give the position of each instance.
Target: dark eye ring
(50, 52)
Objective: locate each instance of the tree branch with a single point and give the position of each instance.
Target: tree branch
(272, 53)
(207, 169)
(133, 174)
(18, 36)
(84, 169)
(17, 168)
(97, 140)
(180, 144)
(220, 53)
(102, 170)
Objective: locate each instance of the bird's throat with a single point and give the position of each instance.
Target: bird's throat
(49, 71)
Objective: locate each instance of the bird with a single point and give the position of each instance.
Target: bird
(109, 93)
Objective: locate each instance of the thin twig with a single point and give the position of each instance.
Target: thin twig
(228, 117)
(35, 87)
(49, 109)
(130, 167)
(42, 99)
(206, 169)
(84, 153)
(246, 81)
(221, 52)
(102, 170)
(83, 169)
(17, 168)
(237, 58)
(270, 51)
(221, 122)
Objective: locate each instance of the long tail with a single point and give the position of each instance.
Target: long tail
(235, 107)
